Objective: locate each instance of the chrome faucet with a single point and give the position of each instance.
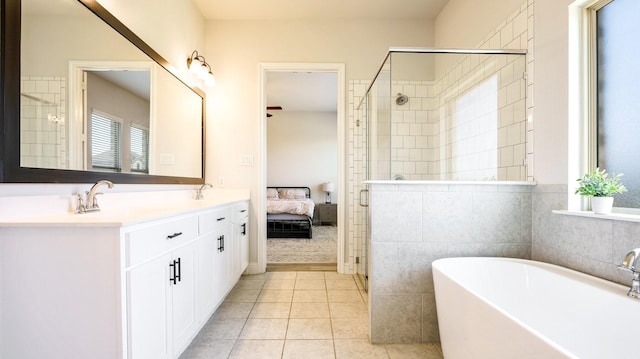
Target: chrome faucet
(630, 263)
(199, 192)
(91, 202)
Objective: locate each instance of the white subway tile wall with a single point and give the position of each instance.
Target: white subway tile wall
(432, 145)
(42, 122)
(431, 142)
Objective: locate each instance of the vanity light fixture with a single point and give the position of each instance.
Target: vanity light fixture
(199, 66)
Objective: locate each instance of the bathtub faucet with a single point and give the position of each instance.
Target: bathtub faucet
(630, 263)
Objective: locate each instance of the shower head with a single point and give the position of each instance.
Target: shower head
(401, 99)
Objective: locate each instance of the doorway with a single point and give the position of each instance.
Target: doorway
(279, 118)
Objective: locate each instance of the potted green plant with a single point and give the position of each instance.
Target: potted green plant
(600, 187)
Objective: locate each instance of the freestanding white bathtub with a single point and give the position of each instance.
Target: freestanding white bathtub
(511, 308)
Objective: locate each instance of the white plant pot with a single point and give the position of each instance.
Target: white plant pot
(601, 205)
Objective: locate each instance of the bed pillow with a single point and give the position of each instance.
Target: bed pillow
(292, 194)
(272, 193)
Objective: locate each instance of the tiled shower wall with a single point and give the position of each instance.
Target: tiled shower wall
(42, 122)
(426, 132)
(471, 123)
(413, 224)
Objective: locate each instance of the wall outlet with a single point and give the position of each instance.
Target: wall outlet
(220, 181)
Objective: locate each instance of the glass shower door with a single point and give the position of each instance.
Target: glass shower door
(361, 213)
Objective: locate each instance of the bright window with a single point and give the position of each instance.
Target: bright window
(615, 93)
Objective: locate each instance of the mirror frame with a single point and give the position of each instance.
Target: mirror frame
(10, 169)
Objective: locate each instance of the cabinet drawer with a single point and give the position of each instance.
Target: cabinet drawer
(209, 221)
(149, 242)
(240, 212)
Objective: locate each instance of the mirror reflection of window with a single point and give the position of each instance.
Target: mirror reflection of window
(106, 142)
(139, 150)
(124, 94)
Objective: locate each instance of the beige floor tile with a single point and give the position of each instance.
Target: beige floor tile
(414, 351)
(309, 329)
(310, 296)
(365, 296)
(344, 296)
(231, 310)
(341, 284)
(309, 310)
(243, 295)
(218, 328)
(350, 328)
(249, 284)
(218, 349)
(348, 310)
(271, 310)
(310, 284)
(264, 329)
(279, 284)
(275, 295)
(281, 275)
(261, 276)
(310, 275)
(312, 349)
(257, 349)
(359, 349)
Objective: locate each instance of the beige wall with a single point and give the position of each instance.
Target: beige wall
(464, 23)
(172, 28)
(237, 48)
(302, 150)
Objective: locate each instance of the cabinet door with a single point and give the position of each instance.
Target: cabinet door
(223, 262)
(244, 246)
(185, 320)
(206, 294)
(148, 310)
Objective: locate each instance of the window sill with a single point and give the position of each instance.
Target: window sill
(613, 216)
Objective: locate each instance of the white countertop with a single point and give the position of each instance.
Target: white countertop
(118, 212)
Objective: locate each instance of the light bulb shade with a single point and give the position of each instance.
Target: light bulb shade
(203, 71)
(194, 66)
(210, 80)
(328, 187)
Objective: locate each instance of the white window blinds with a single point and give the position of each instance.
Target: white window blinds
(106, 136)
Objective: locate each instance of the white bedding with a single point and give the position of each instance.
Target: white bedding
(293, 206)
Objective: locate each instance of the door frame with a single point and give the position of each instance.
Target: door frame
(339, 69)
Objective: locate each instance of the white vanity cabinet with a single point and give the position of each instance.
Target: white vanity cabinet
(213, 276)
(241, 237)
(161, 277)
(105, 289)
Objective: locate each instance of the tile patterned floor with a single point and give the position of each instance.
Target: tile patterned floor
(296, 315)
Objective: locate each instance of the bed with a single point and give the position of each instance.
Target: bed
(289, 212)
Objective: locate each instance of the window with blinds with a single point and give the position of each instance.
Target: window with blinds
(106, 138)
(139, 150)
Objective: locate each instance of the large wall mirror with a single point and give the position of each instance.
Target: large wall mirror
(85, 99)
